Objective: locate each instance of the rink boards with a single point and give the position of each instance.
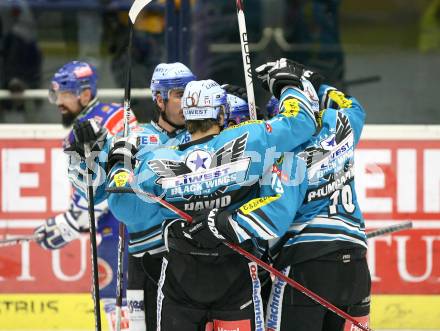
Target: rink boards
(398, 179)
(75, 312)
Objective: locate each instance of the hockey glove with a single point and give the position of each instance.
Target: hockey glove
(177, 229)
(236, 90)
(330, 97)
(277, 75)
(314, 77)
(56, 232)
(123, 150)
(211, 228)
(87, 132)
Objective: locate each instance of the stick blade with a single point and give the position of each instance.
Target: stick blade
(136, 8)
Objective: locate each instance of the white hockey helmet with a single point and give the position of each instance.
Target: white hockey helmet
(169, 76)
(203, 99)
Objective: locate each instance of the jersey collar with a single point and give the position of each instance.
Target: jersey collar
(196, 142)
(89, 107)
(162, 130)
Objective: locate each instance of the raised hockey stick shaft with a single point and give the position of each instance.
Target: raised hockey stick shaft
(92, 230)
(246, 60)
(252, 258)
(121, 228)
(390, 229)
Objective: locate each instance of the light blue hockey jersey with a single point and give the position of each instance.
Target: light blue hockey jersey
(220, 171)
(330, 218)
(149, 136)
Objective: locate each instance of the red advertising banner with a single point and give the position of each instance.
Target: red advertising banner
(397, 180)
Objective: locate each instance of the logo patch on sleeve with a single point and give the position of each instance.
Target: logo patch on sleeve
(121, 178)
(291, 107)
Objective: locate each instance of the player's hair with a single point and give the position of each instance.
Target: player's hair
(193, 126)
(200, 126)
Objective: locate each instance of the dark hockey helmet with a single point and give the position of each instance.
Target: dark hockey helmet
(272, 107)
(74, 77)
(238, 110)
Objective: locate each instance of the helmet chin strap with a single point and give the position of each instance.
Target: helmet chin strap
(164, 116)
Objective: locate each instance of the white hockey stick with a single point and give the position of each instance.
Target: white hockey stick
(246, 60)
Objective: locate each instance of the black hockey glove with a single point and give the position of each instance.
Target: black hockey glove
(277, 75)
(210, 228)
(314, 77)
(87, 132)
(241, 93)
(123, 150)
(177, 229)
(236, 90)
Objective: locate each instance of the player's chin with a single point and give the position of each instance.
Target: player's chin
(180, 120)
(63, 110)
(67, 119)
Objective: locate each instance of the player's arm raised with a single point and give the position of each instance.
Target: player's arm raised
(333, 101)
(299, 105)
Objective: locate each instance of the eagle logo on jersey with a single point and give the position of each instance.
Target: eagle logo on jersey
(343, 128)
(328, 143)
(203, 170)
(331, 151)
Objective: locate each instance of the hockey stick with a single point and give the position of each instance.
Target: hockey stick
(135, 9)
(251, 257)
(246, 60)
(390, 229)
(92, 230)
(19, 240)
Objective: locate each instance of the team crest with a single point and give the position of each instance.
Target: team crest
(198, 160)
(201, 171)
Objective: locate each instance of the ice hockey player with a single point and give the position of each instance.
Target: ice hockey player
(208, 178)
(326, 246)
(74, 91)
(167, 85)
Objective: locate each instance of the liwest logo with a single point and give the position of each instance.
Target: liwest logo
(202, 171)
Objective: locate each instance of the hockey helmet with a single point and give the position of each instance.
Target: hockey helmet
(238, 110)
(169, 76)
(272, 107)
(74, 77)
(203, 99)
